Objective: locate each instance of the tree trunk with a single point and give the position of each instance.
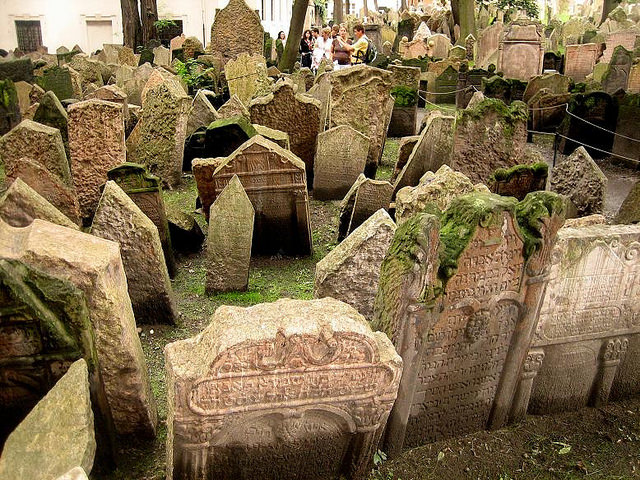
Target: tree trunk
(347, 8)
(455, 11)
(467, 12)
(403, 5)
(607, 7)
(338, 11)
(131, 28)
(375, 5)
(296, 26)
(149, 13)
(365, 8)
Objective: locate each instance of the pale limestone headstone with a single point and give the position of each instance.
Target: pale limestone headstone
(38, 142)
(231, 220)
(201, 113)
(284, 390)
(119, 219)
(405, 147)
(76, 473)
(21, 204)
(521, 51)
(247, 77)
(233, 108)
(340, 158)
(96, 143)
(236, 29)
(157, 141)
(364, 198)
(94, 266)
(581, 180)
(629, 211)
(162, 56)
(57, 435)
(350, 271)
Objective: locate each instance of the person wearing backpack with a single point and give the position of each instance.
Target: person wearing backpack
(361, 48)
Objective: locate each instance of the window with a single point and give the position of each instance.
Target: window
(29, 35)
(166, 34)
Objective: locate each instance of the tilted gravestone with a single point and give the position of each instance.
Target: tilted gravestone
(201, 113)
(237, 29)
(146, 192)
(58, 80)
(580, 60)
(629, 211)
(405, 85)
(519, 180)
(350, 271)
(234, 107)
(93, 265)
(119, 219)
(261, 394)
(587, 342)
(17, 70)
(364, 198)
(247, 77)
(459, 297)
(50, 112)
(617, 75)
(96, 143)
(274, 179)
(521, 51)
(626, 39)
(10, 114)
(283, 110)
(554, 82)
(229, 241)
(340, 158)
(405, 147)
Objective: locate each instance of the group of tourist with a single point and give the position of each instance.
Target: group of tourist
(334, 45)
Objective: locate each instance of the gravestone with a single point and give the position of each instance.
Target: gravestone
(247, 77)
(191, 47)
(132, 81)
(469, 83)
(364, 198)
(16, 70)
(585, 109)
(521, 51)
(162, 56)
(580, 60)
(112, 93)
(229, 242)
(186, 234)
(350, 271)
(434, 189)
(617, 75)
(581, 180)
(234, 107)
(626, 39)
(360, 97)
(470, 47)
(50, 112)
(340, 158)
(274, 179)
(58, 434)
(20, 205)
(585, 348)
(39, 143)
(433, 149)
(58, 80)
(406, 83)
(488, 45)
(520, 180)
(633, 85)
(283, 110)
(225, 135)
(10, 115)
(146, 192)
(96, 143)
(442, 88)
(554, 82)
(315, 394)
(90, 71)
(157, 141)
(236, 29)
(547, 110)
(61, 196)
(456, 299)
(119, 219)
(276, 136)
(440, 45)
(94, 266)
(201, 113)
(126, 56)
(629, 211)
(488, 136)
(405, 147)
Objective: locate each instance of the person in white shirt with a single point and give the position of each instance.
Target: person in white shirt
(322, 48)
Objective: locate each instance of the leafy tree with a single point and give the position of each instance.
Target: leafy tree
(295, 33)
(529, 6)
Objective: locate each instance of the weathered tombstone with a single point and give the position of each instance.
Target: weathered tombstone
(274, 180)
(590, 116)
(276, 136)
(340, 158)
(94, 266)
(586, 344)
(364, 198)
(547, 110)
(554, 82)
(201, 113)
(470, 47)
(126, 56)
(519, 180)
(617, 75)
(225, 135)
(434, 189)
(360, 97)
(440, 45)
(405, 147)
(90, 71)
(236, 29)
(629, 211)
(626, 39)
(625, 143)
(10, 115)
(39, 143)
(283, 110)
(119, 219)
(247, 77)
(458, 299)
(350, 272)
(20, 205)
(488, 44)
(433, 149)
(50, 112)
(521, 51)
(234, 107)
(17, 70)
(328, 382)
(162, 56)
(157, 141)
(406, 83)
(186, 234)
(469, 83)
(58, 434)
(633, 85)
(229, 243)
(96, 143)
(133, 81)
(488, 136)
(579, 178)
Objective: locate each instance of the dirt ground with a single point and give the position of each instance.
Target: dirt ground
(592, 443)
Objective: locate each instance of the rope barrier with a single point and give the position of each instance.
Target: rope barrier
(601, 128)
(446, 93)
(541, 133)
(438, 106)
(598, 149)
(548, 108)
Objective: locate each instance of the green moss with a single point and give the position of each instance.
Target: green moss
(540, 169)
(460, 221)
(511, 114)
(404, 96)
(239, 121)
(530, 213)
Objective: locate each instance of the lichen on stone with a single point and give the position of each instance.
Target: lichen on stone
(530, 213)
(505, 174)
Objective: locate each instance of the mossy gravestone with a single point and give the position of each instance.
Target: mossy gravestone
(286, 390)
(9, 106)
(237, 29)
(364, 198)
(519, 180)
(457, 298)
(51, 112)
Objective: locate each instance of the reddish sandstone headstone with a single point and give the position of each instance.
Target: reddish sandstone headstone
(580, 60)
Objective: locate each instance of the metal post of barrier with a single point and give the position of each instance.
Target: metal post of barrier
(555, 148)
